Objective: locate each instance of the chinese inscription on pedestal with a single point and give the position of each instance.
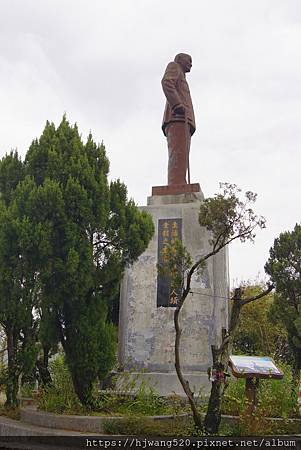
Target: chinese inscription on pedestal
(169, 230)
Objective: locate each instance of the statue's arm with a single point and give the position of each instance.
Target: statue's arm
(169, 81)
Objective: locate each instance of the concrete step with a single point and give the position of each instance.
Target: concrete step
(86, 424)
(10, 427)
(15, 434)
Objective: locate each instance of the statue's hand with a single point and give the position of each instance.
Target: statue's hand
(179, 109)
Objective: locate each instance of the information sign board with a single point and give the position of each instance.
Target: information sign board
(254, 366)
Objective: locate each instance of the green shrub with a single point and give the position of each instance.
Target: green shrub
(276, 398)
(145, 402)
(27, 389)
(59, 397)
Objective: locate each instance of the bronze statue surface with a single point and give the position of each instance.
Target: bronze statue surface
(178, 120)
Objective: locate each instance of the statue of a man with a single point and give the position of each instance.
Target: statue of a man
(178, 121)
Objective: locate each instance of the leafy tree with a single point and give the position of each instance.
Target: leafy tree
(268, 337)
(66, 235)
(284, 268)
(12, 171)
(89, 231)
(17, 279)
(227, 218)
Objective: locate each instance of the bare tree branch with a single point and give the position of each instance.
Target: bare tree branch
(257, 297)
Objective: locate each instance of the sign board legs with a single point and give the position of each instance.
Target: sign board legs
(251, 393)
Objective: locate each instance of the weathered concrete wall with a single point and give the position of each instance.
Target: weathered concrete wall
(146, 336)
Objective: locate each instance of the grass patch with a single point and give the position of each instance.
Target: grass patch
(145, 402)
(59, 397)
(276, 398)
(142, 426)
(128, 400)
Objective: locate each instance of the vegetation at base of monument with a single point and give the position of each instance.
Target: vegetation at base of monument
(258, 426)
(128, 400)
(284, 268)
(275, 397)
(274, 401)
(59, 396)
(226, 217)
(66, 235)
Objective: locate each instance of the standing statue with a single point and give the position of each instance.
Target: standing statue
(178, 121)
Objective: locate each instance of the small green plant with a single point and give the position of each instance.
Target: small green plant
(27, 389)
(255, 424)
(234, 397)
(59, 397)
(145, 402)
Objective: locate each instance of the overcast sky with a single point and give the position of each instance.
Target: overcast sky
(101, 63)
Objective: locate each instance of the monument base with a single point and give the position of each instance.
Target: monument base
(174, 189)
(167, 384)
(146, 321)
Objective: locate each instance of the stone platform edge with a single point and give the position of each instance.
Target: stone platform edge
(176, 189)
(12, 427)
(90, 424)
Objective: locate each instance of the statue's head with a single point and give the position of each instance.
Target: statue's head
(184, 60)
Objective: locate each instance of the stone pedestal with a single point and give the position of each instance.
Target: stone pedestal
(175, 189)
(146, 331)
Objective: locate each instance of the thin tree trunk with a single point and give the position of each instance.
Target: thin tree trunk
(220, 357)
(12, 379)
(83, 390)
(295, 369)
(42, 365)
(185, 384)
(213, 415)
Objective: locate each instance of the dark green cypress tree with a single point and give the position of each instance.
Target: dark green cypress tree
(89, 231)
(17, 277)
(284, 268)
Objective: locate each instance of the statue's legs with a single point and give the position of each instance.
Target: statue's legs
(178, 141)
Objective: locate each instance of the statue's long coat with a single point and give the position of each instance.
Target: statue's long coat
(176, 90)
